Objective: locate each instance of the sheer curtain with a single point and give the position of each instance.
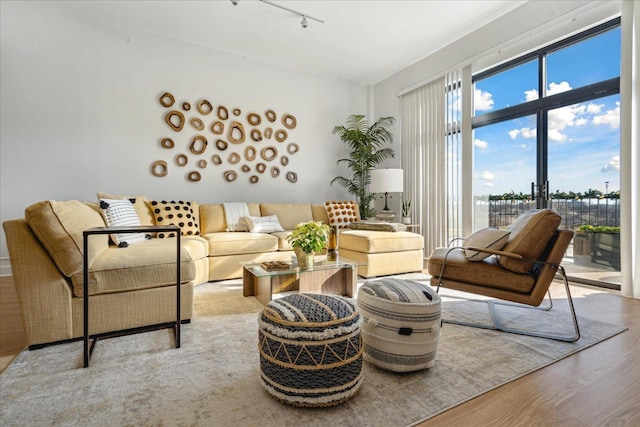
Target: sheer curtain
(424, 159)
(630, 149)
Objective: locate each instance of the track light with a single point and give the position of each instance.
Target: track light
(304, 22)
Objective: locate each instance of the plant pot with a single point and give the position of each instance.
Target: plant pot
(305, 260)
(406, 220)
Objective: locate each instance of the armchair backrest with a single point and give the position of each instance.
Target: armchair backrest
(552, 258)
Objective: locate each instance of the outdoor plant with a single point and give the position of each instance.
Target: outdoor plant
(309, 236)
(599, 228)
(406, 207)
(367, 151)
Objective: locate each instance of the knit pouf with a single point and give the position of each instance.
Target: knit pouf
(401, 326)
(310, 349)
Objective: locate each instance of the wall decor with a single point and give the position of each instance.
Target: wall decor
(167, 143)
(204, 107)
(227, 127)
(167, 100)
(175, 120)
(159, 168)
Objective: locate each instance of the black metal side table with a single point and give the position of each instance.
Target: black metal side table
(128, 230)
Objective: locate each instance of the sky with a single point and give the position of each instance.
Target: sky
(584, 139)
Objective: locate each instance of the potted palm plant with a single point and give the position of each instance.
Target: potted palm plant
(406, 211)
(367, 151)
(307, 239)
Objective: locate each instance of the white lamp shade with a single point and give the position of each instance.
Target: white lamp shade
(386, 181)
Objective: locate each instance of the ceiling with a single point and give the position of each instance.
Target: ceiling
(360, 41)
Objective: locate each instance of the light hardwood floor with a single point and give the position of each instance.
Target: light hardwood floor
(599, 386)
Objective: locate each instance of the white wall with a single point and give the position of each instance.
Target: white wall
(80, 114)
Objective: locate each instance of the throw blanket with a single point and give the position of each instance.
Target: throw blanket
(378, 226)
(235, 213)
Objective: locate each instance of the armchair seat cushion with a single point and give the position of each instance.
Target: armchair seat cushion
(486, 273)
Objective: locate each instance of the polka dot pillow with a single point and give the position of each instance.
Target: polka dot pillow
(175, 213)
(341, 213)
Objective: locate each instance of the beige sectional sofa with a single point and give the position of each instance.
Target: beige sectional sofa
(135, 286)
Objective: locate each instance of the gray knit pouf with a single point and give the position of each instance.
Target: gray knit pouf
(401, 326)
(310, 349)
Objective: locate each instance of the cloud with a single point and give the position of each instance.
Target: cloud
(487, 176)
(488, 185)
(531, 95)
(612, 166)
(611, 118)
(480, 144)
(594, 108)
(482, 101)
(524, 132)
(558, 88)
(556, 135)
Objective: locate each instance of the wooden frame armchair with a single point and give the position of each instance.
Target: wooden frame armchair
(495, 277)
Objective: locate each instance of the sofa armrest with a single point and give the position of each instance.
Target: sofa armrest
(43, 292)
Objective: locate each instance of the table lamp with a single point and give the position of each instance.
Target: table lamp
(386, 181)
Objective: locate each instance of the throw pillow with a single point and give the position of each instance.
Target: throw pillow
(263, 224)
(175, 213)
(121, 213)
(487, 238)
(341, 214)
(235, 214)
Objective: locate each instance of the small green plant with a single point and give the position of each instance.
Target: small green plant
(309, 236)
(406, 207)
(598, 229)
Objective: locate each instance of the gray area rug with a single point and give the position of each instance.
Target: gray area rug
(213, 379)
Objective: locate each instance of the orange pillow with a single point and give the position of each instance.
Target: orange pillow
(341, 213)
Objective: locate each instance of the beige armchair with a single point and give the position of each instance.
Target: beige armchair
(515, 265)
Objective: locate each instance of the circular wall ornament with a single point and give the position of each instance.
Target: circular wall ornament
(167, 100)
(256, 135)
(204, 107)
(217, 128)
(234, 158)
(182, 160)
(284, 160)
(270, 115)
(198, 140)
(223, 113)
(275, 171)
(246, 168)
(289, 121)
(221, 144)
(268, 132)
(197, 123)
(250, 153)
(281, 135)
(194, 176)
(186, 106)
(261, 167)
(292, 177)
(202, 163)
(230, 176)
(175, 120)
(167, 143)
(236, 133)
(254, 179)
(254, 119)
(216, 159)
(293, 148)
(237, 112)
(269, 153)
(159, 168)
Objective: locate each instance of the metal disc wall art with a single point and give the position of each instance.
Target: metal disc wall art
(248, 139)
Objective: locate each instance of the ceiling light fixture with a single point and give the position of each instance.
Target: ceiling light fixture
(304, 16)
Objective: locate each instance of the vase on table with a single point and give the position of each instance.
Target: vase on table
(305, 260)
(406, 220)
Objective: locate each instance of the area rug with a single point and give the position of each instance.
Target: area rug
(212, 380)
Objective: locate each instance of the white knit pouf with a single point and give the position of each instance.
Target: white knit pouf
(401, 324)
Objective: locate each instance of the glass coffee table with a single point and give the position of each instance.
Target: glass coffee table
(337, 277)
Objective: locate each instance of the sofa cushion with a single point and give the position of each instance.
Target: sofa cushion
(148, 264)
(529, 235)
(232, 243)
(121, 213)
(182, 214)
(379, 241)
(342, 213)
(212, 219)
(289, 214)
(263, 224)
(485, 238)
(486, 272)
(140, 204)
(59, 227)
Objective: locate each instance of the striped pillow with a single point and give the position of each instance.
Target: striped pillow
(121, 213)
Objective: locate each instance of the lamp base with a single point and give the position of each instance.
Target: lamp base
(386, 215)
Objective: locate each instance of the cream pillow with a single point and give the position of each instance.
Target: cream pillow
(487, 238)
(121, 213)
(263, 224)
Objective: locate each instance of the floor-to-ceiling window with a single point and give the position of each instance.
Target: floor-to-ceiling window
(546, 134)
